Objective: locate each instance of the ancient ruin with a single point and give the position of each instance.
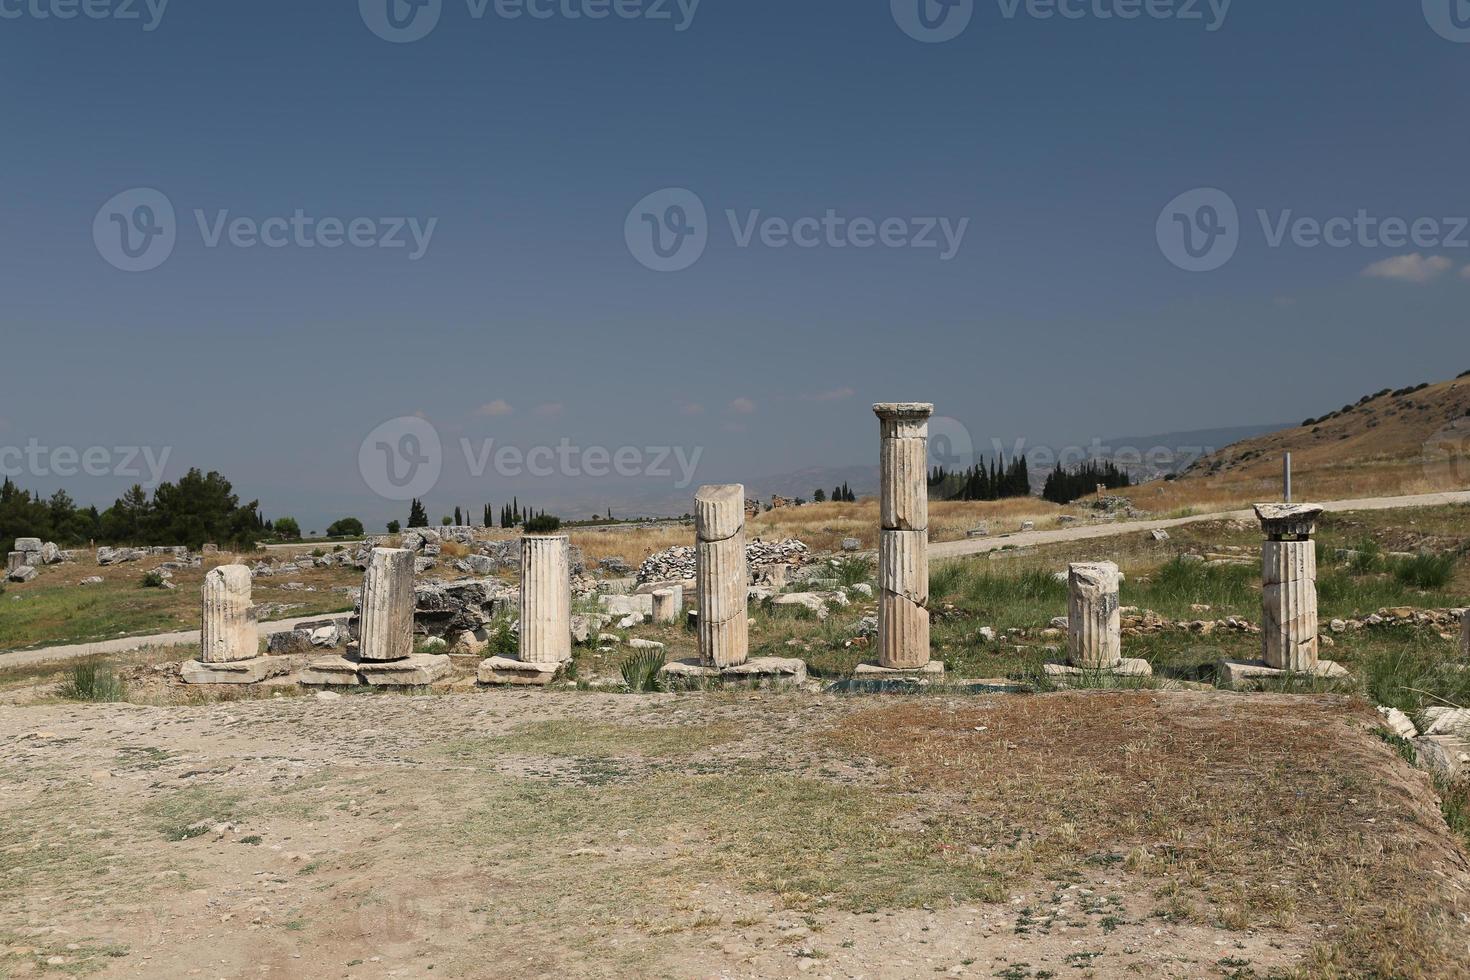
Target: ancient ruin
(1289, 638)
(229, 646)
(721, 575)
(903, 541)
(1095, 624)
(546, 615)
(384, 654)
(668, 605)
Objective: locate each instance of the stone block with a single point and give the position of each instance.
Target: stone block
(251, 671)
(503, 671)
(1237, 673)
(330, 672)
(419, 670)
(1124, 668)
(22, 574)
(875, 671)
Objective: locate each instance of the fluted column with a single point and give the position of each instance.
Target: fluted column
(903, 541)
(1289, 586)
(387, 606)
(1094, 623)
(546, 599)
(228, 631)
(1465, 635)
(721, 575)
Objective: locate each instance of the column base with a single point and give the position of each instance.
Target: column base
(1239, 673)
(420, 670)
(872, 670)
(251, 671)
(330, 672)
(1125, 668)
(761, 672)
(506, 672)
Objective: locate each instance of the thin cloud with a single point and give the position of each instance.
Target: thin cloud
(495, 409)
(550, 410)
(691, 408)
(743, 406)
(1413, 268)
(835, 395)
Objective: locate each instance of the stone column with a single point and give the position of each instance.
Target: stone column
(1094, 624)
(1289, 585)
(546, 599)
(668, 604)
(903, 545)
(387, 607)
(228, 633)
(721, 575)
(1465, 635)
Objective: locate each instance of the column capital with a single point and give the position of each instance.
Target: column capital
(1285, 522)
(903, 410)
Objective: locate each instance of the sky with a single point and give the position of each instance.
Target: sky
(1058, 220)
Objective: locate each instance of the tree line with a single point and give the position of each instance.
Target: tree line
(997, 481)
(198, 508)
(1064, 486)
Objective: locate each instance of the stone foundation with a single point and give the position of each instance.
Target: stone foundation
(503, 671)
(762, 671)
(1241, 673)
(251, 671)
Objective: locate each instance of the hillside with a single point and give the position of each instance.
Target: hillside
(1409, 440)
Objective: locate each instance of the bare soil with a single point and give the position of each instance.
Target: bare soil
(521, 834)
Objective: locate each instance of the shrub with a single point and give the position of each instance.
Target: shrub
(287, 528)
(1367, 557)
(93, 682)
(1425, 571)
(394, 527)
(153, 580)
(347, 527)
(852, 569)
(640, 671)
(543, 524)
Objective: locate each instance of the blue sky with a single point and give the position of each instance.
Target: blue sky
(527, 142)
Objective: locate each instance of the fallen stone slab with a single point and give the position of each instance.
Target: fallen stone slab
(419, 670)
(767, 670)
(871, 670)
(1397, 723)
(1443, 755)
(506, 672)
(235, 672)
(1125, 668)
(24, 573)
(1239, 673)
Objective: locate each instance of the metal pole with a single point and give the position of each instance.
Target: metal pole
(1286, 477)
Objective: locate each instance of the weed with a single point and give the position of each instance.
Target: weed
(91, 681)
(641, 671)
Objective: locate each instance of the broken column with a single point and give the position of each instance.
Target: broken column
(229, 644)
(721, 575)
(903, 540)
(385, 655)
(546, 615)
(1095, 624)
(1289, 640)
(668, 604)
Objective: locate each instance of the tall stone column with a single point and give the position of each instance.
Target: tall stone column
(1094, 623)
(903, 544)
(546, 599)
(721, 575)
(387, 607)
(1465, 635)
(228, 633)
(1289, 586)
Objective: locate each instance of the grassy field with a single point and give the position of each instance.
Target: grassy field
(55, 608)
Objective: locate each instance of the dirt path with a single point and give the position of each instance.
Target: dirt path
(537, 834)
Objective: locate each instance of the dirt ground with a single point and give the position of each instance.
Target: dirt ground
(521, 834)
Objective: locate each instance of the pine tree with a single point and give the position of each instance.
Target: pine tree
(417, 515)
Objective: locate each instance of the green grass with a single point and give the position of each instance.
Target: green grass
(92, 681)
(182, 814)
(851, 570)
(1425, 571)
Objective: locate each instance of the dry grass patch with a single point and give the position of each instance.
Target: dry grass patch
(1259, 813)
